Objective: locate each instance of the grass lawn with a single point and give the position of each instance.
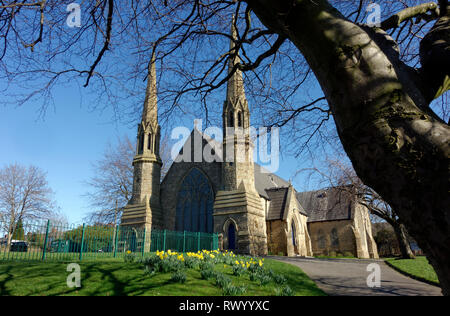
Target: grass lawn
(418, 268)
(114, 277)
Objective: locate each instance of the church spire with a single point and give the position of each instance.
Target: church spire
(237, 205)
(235, 89)
(150, 112)
(235, 108)
(149, 129)
(144, 207)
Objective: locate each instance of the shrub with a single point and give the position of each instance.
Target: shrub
(261, 277)
(207, 274)
(170, 264)
(277, 278)
(129, 257)
(152, 264)
(222, 280)
(348, 254)
(191, 263)
(230, 289)
(284, 291)
(256, 268)
(206, 266)
(178, 277)
(228, 260)
(149, 271)
(332, 254)
(238, 270)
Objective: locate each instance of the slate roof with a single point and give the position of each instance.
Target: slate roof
(326, 205)
(266, 180)
(278, 202)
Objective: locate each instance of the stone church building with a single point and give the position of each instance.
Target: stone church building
(253, 211)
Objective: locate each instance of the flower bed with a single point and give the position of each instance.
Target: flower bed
(215, 266)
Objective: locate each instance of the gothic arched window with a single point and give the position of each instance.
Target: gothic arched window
(321, 239)
(231, 118)
(195, 204)
(293, 232)
(141, 143)
(239, 119)
(334, 238)
(150, 142)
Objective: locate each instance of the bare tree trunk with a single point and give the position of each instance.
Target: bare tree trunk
(403, 243)
(397, 145)
(11, 230)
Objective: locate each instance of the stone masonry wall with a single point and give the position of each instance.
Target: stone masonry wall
(323, 230)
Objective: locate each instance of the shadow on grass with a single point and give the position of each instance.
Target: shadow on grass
(125, 279)
(5, 277)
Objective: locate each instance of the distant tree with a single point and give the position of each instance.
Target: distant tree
(111, 187)
(386, 242)
(19, 233)
(24, 195)
(341, 175)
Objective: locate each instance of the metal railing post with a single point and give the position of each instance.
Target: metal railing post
(143, 242)
(198, 242)
(164, 240)
(82, 242)
(184, 241)
(116, 237)
(46, 240)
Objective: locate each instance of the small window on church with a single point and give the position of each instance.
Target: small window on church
(141, 143)
(150, 143)
(321, 239)
(231, 121)
(334, 238)
(239, 119)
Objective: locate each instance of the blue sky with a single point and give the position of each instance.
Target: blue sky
(64, 143)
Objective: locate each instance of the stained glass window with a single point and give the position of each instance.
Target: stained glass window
(334, 238)
(293, 233)
(195, 204)
(321, 239)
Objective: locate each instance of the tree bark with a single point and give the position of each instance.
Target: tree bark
(397, 145)
(403, 243)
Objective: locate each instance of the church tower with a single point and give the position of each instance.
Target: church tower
(144, 208)
(238, 213)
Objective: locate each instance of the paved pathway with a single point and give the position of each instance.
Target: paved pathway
(348, 277)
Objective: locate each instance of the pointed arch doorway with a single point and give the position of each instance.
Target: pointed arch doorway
(230, 232)
(231, 236)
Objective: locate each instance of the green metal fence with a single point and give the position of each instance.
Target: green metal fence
(50, 241)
